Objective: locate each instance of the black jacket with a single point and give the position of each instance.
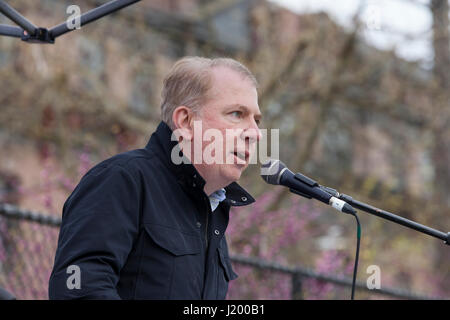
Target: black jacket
(140, 227)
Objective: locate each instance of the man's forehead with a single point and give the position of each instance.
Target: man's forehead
(226, 76)
(230, 89)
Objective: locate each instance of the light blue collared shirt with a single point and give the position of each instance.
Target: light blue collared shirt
(217, 197)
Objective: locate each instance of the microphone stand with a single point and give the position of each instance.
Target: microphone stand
(397, 219)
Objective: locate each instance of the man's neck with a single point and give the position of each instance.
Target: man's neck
(209, 187)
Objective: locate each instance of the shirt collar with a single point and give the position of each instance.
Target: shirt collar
(217, 197)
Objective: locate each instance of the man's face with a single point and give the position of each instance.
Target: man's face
(233, 110)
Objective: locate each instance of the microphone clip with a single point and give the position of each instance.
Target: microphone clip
(300, 193)
(305, 180)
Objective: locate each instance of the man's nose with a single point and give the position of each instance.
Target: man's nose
(252, 133)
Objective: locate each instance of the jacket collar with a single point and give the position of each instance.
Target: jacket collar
(187, 176)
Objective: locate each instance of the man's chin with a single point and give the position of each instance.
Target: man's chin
(232, 172)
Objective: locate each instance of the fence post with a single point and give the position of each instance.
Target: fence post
(5, 295)
(297, 284)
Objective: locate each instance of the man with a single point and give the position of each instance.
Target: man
(145, 225)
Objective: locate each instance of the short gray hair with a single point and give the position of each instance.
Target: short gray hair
(189, 81)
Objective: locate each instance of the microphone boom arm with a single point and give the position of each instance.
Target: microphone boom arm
(397, 219)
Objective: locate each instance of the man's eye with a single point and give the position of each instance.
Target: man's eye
(237, 114)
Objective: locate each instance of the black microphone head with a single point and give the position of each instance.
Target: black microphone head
(271, 171)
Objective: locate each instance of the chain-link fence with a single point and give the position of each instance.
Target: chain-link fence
(27, 248)
(28, 242)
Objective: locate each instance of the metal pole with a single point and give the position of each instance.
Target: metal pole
(15, 16)
(92, 15)
(296, 290)
(397, 219)
(10, 31)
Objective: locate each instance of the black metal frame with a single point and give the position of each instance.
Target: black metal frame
(397, 219)
(389, 216)
(28, 32)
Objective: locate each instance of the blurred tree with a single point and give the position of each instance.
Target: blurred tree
(441, 45)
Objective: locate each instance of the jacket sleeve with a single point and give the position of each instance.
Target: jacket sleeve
(99, 224)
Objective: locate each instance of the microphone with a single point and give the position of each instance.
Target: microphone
(275, 172)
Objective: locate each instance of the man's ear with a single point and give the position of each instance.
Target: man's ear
(182, 119)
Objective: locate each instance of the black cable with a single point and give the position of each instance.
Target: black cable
(355, 269)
